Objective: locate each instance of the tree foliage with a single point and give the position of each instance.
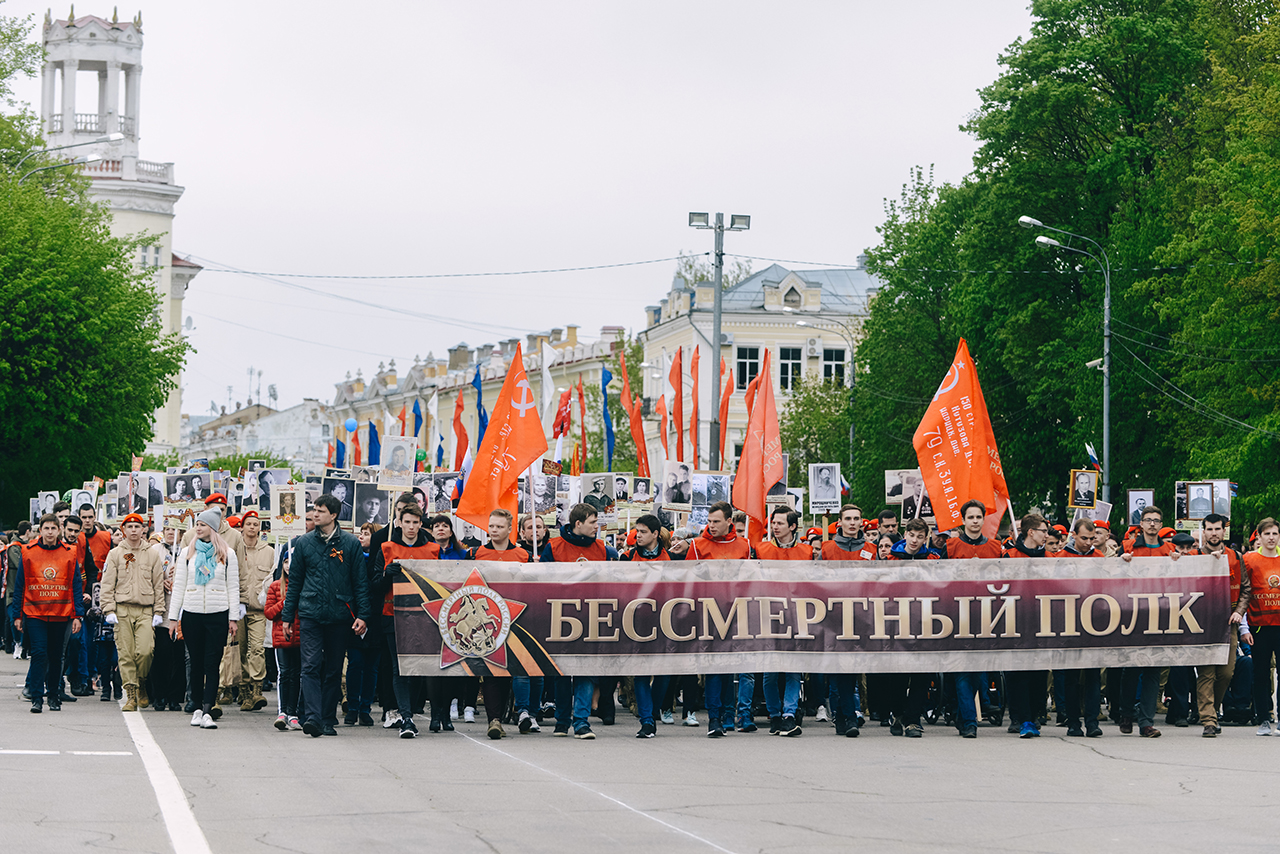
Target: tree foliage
(693, 269)
(1152, 127)
(83, 361)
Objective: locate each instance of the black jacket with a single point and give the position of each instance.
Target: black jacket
(327, 581)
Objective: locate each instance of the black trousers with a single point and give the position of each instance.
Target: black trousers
(1082, 685)
(497, 690)
(205, 636)
(168, 675)
(1027, 694)
(1266, 645)
(324, 647)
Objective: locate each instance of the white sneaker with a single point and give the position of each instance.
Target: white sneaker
(17, 650)
(392, 720)
(453, 710)
(668, 718)
(197, 717)
(533, 727)
(822, 714)
(691, 719)
(1264, 728)
(294, 726)
(469, 715)
(206, 722)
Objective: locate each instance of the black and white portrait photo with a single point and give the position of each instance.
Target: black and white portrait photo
(1083, 489)
(1139, 501)
(699, 481)
(81, 497)
(641, 491)
(780, 488)
(371, 505)
(398, 453)
(915, 498)
(544, 494)
(177, 488)
(34, 517)
(342, 489)
(621, 487)
(824, 488)
(1222, 497)
(1199, 500)
(677, 486)
(198, 486)
(132, 492)
(442, 484)
(597, 491)
(256, 465)
(718, 488)
(896, 484)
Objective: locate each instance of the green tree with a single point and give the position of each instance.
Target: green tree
(697, 268)
(814, 427)
(624, 447)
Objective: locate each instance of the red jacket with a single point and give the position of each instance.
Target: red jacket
(731, 547)
(1264, 575)
(831, 551)
(275, 604)
(958, 548)
(770, 550)
(511, 554)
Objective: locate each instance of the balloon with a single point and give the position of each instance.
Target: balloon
(351, 425)
(422, 455)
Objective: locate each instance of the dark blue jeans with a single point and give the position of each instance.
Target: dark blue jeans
(1081, 687)
(648, 687)
(527, 690)
(362, 673)
(45, 640)
(324, 646)
(967, 687)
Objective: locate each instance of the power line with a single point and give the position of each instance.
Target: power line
(1245, 361)
(1068, 270)
(230, 269)
(1203, 346)
(326, 345)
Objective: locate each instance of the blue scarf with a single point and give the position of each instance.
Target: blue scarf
(204, 562)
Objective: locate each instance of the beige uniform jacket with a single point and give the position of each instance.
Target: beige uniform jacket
(132, 577)
(256, 565)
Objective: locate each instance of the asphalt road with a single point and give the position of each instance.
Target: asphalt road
(85, 784)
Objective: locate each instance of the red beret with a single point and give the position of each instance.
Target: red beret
(246, 515)
(216, 498)
(813, 532)
(133, 517)
(1106, 525)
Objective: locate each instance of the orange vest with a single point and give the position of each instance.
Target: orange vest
(705, 548)
(958, 549)
(394, 552)
(48, 579)
(99, 545)
(511, 554)
(769, 550)
(1140, 549)
(636, 556)
(566, 552)
(1233, 564)
(1065, 553)
(831, 551)
(1264, 605)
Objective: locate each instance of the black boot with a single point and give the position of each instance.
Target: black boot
(55, 703)
(37, 705)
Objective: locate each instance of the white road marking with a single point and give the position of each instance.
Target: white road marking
(100, 752)
(29, 752)
(613, 800)
(179, 820)
(69, 752)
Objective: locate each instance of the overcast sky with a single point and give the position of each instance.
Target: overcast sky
(396, 138)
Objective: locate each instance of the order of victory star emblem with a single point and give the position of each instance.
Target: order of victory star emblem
(474, 622)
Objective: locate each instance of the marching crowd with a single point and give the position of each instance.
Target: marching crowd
(183, 621)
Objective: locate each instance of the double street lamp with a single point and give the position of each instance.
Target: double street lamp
(845, 331)
(1104, 263)
(91, 158)
(737, 222)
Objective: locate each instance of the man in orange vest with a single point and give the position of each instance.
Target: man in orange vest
(970, 544)
(1263, 567)
(407, 542)
(719, 541)
(781, 690)
(47, 598)
(497, 689)
(1212, 680)
(577, 543)
(1149, 543)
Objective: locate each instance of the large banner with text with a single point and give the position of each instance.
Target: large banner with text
(635, 619)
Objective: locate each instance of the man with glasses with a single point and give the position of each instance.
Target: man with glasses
(1026, 688)
(1147, 544)
(1070, 684)
(1212, 680)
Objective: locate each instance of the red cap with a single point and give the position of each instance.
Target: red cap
(833, 527)
(133, 517)
(216, 498)
(1166, 532)
(631, 537)
(813, 532)
(870, 524)
(1106, 525)
(245, 515)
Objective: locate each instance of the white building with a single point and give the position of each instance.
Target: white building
(87, 60)
(299, 434)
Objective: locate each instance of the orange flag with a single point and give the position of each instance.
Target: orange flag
(512, 442)
(726, 392)
(661, 408)
(460, 437)
(582, 404)
(693, 409)
(761, 464)
(677, 401)
(956, 449)
(355, 448)
(404, 413)
(635, 413)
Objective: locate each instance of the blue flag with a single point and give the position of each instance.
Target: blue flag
(340, 458)
(417, 418)
(440, 454)
(481, 414)
(605, 377)
(375, 447)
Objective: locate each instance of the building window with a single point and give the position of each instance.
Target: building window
(748, 365)
(789, 366)
(792, 297)
(833, 365)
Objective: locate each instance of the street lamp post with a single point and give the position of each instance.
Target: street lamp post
(737, 222)
(91, 158)
(846, 333)
(1105, 264)
(111, 137)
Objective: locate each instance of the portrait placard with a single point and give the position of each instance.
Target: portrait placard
(1082, 489)
(895, 484)
(343, 489)
(397, 472)
(824, 488)
(372, 505)
(1138, 500)
(677, 486)
(289, 518)
(1199, 500)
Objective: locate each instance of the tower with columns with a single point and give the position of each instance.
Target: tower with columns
(79, 53)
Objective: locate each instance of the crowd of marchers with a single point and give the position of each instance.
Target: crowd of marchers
(201, 620)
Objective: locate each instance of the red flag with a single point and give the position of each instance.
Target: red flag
(512, 442)
(761, 464)
(460, 437)
(575, 466)
(582, 404)
(677, 401)
(400, 418)
(726, 392)
(634, 412)
(329, 460)
(661, 409)
(564, 415)
(355, 448)
(956, 449)
(693, 409)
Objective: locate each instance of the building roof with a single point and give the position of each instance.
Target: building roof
(179, 261)
(842, 288)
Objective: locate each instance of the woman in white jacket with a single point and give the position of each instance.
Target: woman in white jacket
(205, 608)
